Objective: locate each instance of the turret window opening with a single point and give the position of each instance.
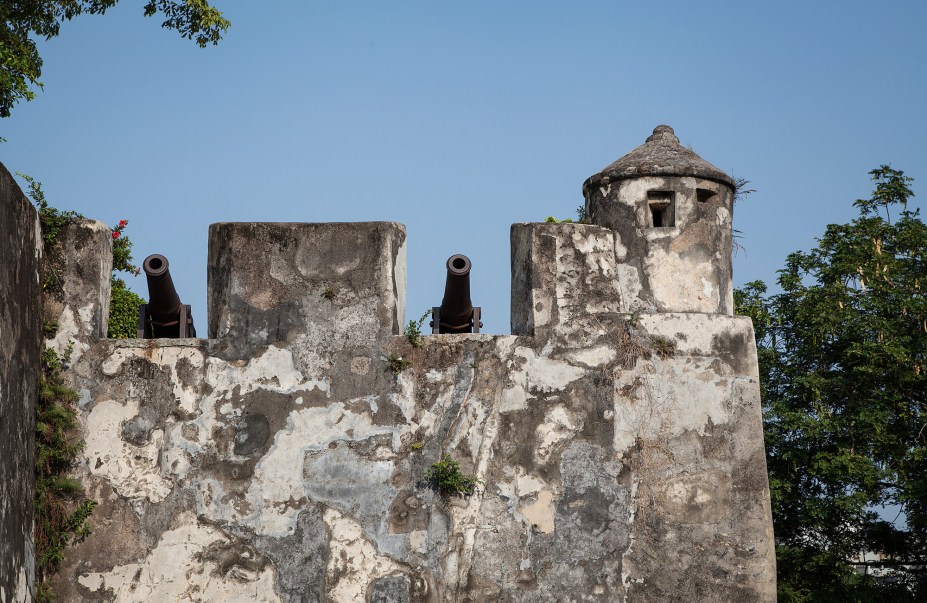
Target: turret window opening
(703, 195)
(662, 208)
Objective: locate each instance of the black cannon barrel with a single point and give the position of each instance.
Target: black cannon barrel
(164, 315)
(163, 301)
(456, 310)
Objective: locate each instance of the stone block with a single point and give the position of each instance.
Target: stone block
(306, 283)
(77, 298)
(564, 278)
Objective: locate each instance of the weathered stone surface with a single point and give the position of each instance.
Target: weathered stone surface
(564, 278)
(315, 286)
(616, 435)
(611, 446)
(21, 337)
(77, 299)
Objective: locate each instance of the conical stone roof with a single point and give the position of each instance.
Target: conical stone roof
(661, 155)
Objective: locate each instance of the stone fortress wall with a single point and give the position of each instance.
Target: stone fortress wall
(20, 346)
(617, 432)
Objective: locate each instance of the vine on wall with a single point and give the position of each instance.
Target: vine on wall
(61, 510)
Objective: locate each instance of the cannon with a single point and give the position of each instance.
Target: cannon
(456, 314)
(163, 315)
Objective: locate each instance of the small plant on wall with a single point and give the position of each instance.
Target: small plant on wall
(397, 364)
(413, 330)
(446, 477)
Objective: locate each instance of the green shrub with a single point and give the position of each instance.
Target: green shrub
(123, 311)
(123, 306)
(445, 477)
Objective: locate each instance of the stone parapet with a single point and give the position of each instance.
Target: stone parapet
(616, 436)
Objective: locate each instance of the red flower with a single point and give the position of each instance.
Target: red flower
(115, 234)
(122, 223)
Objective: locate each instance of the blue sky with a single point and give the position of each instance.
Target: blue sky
(458, 119)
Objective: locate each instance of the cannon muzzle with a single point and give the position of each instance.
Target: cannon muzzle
(456, 313)
(164, 315)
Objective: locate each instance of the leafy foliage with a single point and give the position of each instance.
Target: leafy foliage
(22, 22)
(446, 477)
(61, 511)
(192, 19)
(123, 305)
(582, 217)
(123, 311)
(52, 219)
(843, 370)
(122, 250)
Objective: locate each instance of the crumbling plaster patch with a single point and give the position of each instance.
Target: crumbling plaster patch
(661, 399)
(678, 282)
(274, 370)
(278, 480)
(560, 423)
(132, 470)
(596, 356)
(69, 333)
(540, 513)
(179, 568)
(186, 397)
(530, 372)
(354, 561)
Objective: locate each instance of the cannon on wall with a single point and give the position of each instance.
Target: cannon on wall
(164, 315)
(456, 314)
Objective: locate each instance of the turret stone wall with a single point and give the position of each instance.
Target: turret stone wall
(671, 213)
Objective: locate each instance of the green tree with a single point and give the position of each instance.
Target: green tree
(21, 22)
(843, 370)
